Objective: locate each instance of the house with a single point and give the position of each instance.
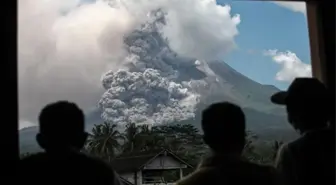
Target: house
(160, 167)
(125, 181)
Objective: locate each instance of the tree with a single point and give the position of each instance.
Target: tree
(104, 140)
(249, 148)
(182, 139)
(258, 151)
(150, 138)
(135, 137)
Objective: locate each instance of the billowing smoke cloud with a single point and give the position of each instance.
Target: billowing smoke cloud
(65, 46)
(145, 98)
(64, 50)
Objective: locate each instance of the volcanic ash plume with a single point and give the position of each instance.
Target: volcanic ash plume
(64, 46)
(145, 98)
(151, 89)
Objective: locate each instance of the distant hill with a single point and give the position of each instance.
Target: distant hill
(213, 80)
(27, 135)
(263, 118)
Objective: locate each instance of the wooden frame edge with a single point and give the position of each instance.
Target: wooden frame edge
(316, 42)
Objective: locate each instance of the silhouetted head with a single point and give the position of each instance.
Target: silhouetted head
(223, 125)
(307, 104)
(61, 127)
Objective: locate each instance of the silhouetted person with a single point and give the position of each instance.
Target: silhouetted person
(223, 127)
(62, 136)
(311, 158)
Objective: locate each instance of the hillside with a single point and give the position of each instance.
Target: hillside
(212, 81)
(263, 118)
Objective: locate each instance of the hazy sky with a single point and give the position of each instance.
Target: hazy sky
(65, 46)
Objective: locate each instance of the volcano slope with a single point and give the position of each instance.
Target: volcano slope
(158, 86)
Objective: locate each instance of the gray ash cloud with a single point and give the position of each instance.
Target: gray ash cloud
(149, 91)
(64, 46)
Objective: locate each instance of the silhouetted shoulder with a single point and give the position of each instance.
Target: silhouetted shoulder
(65, 168)
(260, 174)
(311, 141)
(203, 176)
(257, 168)
(297, 161)
(234, 173)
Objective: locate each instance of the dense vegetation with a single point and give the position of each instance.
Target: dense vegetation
(107, 141)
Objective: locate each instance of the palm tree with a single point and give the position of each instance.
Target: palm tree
(145, 129)
(141, 138)
(132, 139)
(148, 139)
(177, 137)
(104, 140)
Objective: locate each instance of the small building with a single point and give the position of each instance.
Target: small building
(125, 181)
(160, 167)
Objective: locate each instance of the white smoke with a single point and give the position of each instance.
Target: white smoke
(291, 65)
(66, 45)
(63, 51)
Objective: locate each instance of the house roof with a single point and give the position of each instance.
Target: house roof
(124, 181)
(130, 164)
(136, 161)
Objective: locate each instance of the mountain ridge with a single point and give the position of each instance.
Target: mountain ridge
(266, 124)
(213, 80)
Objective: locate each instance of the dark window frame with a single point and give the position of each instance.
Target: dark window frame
(321, 23)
